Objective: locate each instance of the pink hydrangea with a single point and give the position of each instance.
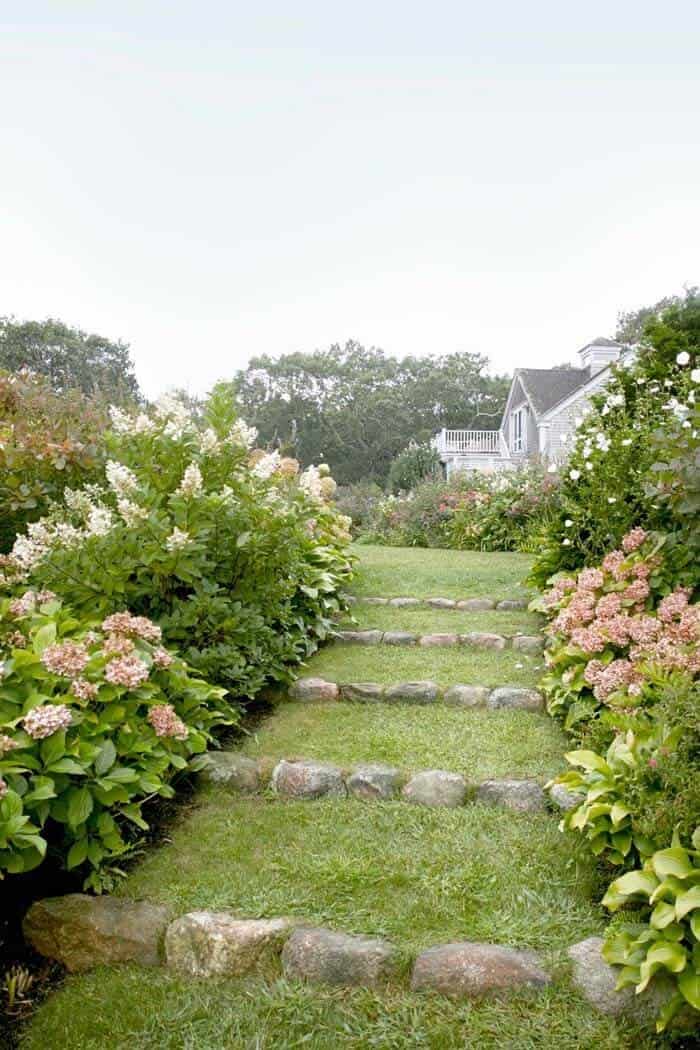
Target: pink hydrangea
(65, 658)
(162, 658)
(616, 676)
(7, 744)
(673, 604)
(166, 723)
(17, 640)
(617, 629)
(636, 591)
(644, 629)
(589, 639)
(590, 579)
(593, 671)
(129, 671)
(608, 606)
(3, 788)
(633, 540)
(614, 563)
(117, 645)
(41, 722)
(83, 689)
(125, 623)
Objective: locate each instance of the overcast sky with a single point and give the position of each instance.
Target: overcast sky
(212, 180)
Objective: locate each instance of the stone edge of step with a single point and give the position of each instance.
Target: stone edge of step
(461, 604)
(83, 932)
(312, 689)
(526, 643)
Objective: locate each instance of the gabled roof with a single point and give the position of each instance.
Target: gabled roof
(546, 387)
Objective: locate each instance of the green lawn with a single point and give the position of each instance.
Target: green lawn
(118, 1009)
(414, 572)
(422, 620)
(340, 662)
(479, 744)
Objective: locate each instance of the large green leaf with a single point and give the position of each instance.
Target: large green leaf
(588, 760)
(674, 861)
(688, 901)
(80, 805)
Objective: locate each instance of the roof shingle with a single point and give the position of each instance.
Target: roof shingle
(546, 387)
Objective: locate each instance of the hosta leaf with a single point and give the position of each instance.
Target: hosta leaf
(588, 760)
(674, 861)
(663, 915)
(618, 813)
(689, 984)
(629, 885)
(688, 901)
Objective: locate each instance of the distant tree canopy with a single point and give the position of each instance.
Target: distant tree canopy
(634, 326)
(357, 407)
(69, 358)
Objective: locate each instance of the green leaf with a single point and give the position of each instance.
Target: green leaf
(689, 985)
(662, 915)
(618, 813)
(77, 853)
(106, 758)
(79, 805)
(44, 637)
(628, 885)
(662, 956)
(688, 901)
(674, 861)
(588, 760)
(53, 747)
(67, 765)
(243, 539)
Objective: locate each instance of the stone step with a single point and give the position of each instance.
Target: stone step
(303, 779)
(307, 690)
(460, 604)
(523, 643)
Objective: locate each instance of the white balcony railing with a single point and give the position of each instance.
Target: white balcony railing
(470, 442)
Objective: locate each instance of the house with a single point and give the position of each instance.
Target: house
(540, 415)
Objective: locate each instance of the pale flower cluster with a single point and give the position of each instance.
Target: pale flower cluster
(41, 722)
(310, 483)
(136, 626)
(121, 480)
(241, 434)
(177, 540)
(129, 671)
(266, 465)
(166, 723)
(192, 483)
(68, 659)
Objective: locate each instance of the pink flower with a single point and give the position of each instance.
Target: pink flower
(41, 722)
(65, 658)
(7, 744)
(608, 606)
(83, 689)
(636, 591)
(643, 629)
(17, 640)
(125, 623)
(166, 723)
(673, 604)
(617, 629)
(633, 540)
(117, 645)
(590, 579)
(589, 639)
(162, 658)
(3, 788)
(128, 671)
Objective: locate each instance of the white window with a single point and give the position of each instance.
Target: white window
(518, 430)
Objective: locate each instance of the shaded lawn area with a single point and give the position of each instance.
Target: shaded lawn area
(422, 620)
(392, 572)
(117, 1009)
(479, 744)
(340, 662)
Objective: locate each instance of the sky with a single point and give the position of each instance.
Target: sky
(209, 181)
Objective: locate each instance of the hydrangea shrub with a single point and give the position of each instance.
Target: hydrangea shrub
(93, 723)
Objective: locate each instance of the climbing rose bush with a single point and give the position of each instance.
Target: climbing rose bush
(236, 554)
(94, 721)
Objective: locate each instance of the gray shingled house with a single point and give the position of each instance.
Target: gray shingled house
(540, 414)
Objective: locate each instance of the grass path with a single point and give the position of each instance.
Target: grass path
(415, 875)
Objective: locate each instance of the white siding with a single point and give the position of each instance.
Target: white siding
(563, 421)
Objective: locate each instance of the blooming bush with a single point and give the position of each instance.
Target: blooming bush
(605, 486)
(471, 511)
(237, 556)
(47, 441)
(93, 723)
(610, 642)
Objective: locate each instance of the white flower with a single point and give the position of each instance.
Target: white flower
(241, 434)
(668, 382)
(99, 521)
(641, 381)
(131, 512)
(177, 539)
(191, 484)
(682, 358)
(568, 523)
(566, 542)
(589, 466)
(208, 441)
(578, 421)
(686, 423)
(121, 480)
(121, 421)
(626, 441)
(552, 468)
(616, 400)
(612, 499)
(574, 475)
(564, 438)
(310, 483)
(695, 375)
(267, 466)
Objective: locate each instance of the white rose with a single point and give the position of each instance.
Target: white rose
(574, 475)
(682, 358)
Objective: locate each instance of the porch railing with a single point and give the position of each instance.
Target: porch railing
(470, 442)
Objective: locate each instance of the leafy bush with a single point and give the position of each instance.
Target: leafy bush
(470, 511)
(413, 465)
(237, 557)
(605, 485)
(93, 723)
(47, 441)
(359, 503)
(667, 940)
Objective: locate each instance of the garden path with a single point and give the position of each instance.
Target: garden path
(417, 875)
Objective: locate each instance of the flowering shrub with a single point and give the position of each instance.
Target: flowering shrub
(471, 511)
(610, 642)
(237, 556)
(47, 441)
(93, 723)
(605, 484)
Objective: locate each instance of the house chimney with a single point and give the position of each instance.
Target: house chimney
(599, 354)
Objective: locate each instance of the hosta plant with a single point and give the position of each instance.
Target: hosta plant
(94, 721)
(666, 939)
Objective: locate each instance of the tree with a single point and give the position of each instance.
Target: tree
(357, 407)
(632, 325)
(69, 358)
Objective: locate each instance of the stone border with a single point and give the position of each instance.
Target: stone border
(83, 932)
(301, 779)
(461, 604)
(309, 690)
(524, 643)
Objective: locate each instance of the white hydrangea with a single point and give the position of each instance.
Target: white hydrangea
(121, 480)
(208, 441)
(310, 483)
(177, 539)
(131, 512)
(241, 434)
(99, 521)
(267, 465)
(191, 484)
